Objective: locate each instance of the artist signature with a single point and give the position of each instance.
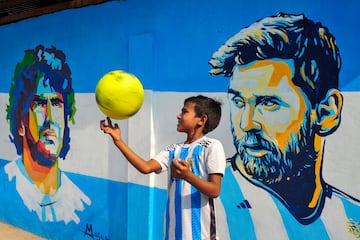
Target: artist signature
(88, 232)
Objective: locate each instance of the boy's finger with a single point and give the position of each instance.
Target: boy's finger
(102, 124)
(176, 163)
(108, 120)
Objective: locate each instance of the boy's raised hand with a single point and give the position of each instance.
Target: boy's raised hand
(113, 130)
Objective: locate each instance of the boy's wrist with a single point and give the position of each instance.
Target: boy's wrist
(117, 140)
(187, 176)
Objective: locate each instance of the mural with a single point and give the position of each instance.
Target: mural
(284, 100)
(41, 105)
(289, 126)
(58, 204)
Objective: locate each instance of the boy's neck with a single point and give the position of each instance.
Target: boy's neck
(193, 137)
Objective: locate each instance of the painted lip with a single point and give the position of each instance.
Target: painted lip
(256, 150)
(49, 135)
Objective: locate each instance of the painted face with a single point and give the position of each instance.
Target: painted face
(187, 120)
(269, 120)
(46, 125)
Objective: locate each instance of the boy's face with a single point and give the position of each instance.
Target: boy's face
(187, 119)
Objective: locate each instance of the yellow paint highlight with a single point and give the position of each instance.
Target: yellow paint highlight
(353, 227)
(318, 187)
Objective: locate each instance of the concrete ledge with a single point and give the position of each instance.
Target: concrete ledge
(10, 232)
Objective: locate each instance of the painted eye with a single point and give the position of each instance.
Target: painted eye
(269, 104)
(238, 101)
(56, 102)
(40, 103)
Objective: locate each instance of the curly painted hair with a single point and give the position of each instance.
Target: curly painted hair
(38, 66)
(310, 45)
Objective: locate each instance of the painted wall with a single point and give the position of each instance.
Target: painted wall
(167, 45)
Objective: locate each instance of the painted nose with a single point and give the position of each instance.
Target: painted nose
(248, 121)
(48, 111)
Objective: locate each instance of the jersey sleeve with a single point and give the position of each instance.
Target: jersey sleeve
(216, 160)
(163, 159)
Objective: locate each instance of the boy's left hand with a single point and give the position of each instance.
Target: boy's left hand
(180, 168)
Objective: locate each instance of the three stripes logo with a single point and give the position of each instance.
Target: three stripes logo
(244, 204)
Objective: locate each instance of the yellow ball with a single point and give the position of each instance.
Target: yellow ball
(119, 95)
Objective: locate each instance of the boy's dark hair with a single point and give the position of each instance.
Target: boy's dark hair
(209, 107)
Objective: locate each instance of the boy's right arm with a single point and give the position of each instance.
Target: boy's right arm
(139, 163)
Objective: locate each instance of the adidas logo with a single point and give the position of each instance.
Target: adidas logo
(244, 204)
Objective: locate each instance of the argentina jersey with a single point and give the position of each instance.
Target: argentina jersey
(253, 213)
(189, 213)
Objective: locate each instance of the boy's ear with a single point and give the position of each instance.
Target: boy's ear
(329, 112)
(203, 119)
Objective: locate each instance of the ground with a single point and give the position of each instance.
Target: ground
(10, 232)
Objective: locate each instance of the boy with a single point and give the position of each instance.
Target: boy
(197, 167)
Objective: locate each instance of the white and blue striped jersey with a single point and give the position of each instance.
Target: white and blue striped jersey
(254, 213)
(189, 213)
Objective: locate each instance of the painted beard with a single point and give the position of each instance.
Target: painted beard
(40, 153)
(276, 166)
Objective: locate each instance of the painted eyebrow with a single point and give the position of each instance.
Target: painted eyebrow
(232, 91)
(268, 98)
(56, 99)
(260, 98)
(38, 98)
(275, 99)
